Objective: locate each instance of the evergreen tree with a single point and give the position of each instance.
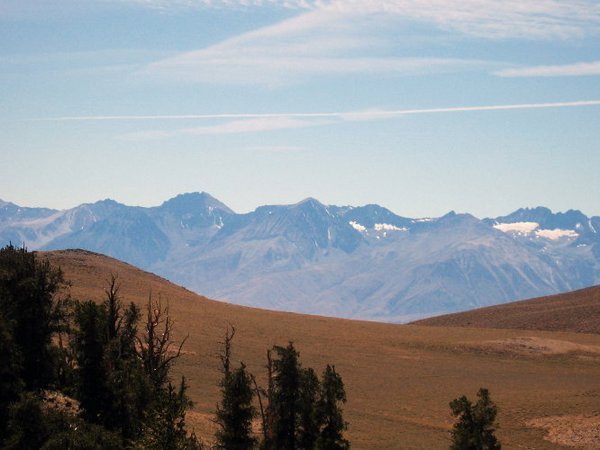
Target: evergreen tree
(235, 413)
(308, 426)
(27, 426)
(89, 343)
(165, 428)
(32, 425)
(129, 392)
(11, 385)
(90, 351)
(27, 293)
(474, 429)
(286, 396)
(112, 387)
(330, 413)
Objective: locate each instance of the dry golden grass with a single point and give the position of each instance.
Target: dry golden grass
(399, 378)
(574, 311)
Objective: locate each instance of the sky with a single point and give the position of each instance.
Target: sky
(421, 106)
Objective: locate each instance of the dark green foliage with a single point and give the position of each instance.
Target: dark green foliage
(11, 385)
(64, 352)
(112, 387)
(89, 345)
(286, 396)
(80, 435)
(330, 413)
(91, 352)
(302, 413)
(235, 413)
(27, 425)
(308, 424)
(165, 427)
(32, 426)
(27, 290)
(474, 429)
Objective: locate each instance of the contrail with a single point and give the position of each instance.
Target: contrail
(339, 115)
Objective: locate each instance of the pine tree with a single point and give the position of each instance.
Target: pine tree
(474, 429)
(112, 387)
(89, 345)
(308, 426)
(330, 413)
(27, 300)
(11, 384)
(286, 397)
(235, 413)
(165, 427)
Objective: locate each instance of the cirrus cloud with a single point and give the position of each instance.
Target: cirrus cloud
(562, 70)
(337, 37)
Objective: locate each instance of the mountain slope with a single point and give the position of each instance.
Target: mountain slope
(354, 262)
(577, 311)
(399, 379)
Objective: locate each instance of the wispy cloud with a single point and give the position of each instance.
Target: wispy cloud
(245, 124)
(317, 43)
(357, 37)
(260, 122)
(346, 115)
(565, 70)
(483, 18)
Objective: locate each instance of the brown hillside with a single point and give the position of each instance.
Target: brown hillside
(399, 379)
(577, 311)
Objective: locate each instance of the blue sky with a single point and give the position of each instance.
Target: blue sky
(422, 106)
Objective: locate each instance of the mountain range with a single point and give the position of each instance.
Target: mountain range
(355, 262)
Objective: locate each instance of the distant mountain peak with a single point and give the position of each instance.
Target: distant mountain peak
(362, 261)
(535, 209)
(190, 201)
(107, 202)
(309, 201)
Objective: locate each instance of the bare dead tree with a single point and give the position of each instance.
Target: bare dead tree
(267, 413)
(113, 306)
(156, 342)
(225, 354)
(259, 392)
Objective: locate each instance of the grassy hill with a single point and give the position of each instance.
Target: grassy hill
(577, 311)
(399, 378)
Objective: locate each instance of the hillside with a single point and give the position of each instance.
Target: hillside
(399, 379)
(361, 262)
(577, 311)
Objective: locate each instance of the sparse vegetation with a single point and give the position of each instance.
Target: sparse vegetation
(120, 376)
(416, 367)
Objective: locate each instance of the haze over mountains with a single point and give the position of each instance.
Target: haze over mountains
(357, 262)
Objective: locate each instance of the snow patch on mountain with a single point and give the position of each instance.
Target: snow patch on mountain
(557, 233)
(526, 228)
(388, 227)
(517, 227)
(357, 226)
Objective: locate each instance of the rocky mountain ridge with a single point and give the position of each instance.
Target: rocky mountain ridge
(359, 262)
